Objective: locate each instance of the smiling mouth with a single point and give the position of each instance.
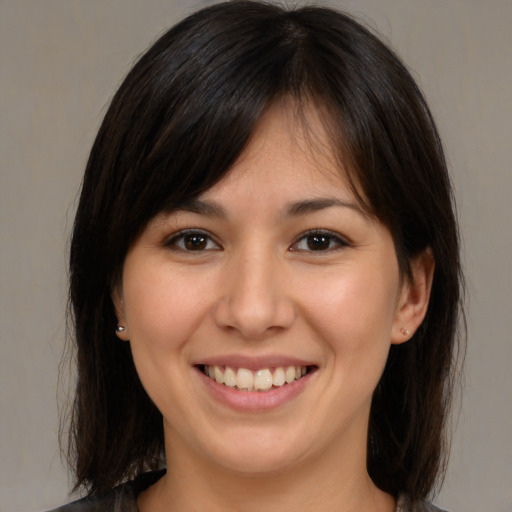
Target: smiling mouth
(265, 379)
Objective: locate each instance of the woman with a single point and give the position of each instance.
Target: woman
(265, 279)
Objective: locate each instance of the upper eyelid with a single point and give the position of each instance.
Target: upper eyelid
(341, 242)
(326, 232)
(169, 239)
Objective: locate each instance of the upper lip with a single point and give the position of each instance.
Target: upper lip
(253, 362)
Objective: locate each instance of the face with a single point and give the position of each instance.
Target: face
(260, 316)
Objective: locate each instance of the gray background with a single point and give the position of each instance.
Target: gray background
(61, 60)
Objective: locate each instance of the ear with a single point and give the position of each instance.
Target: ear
(415, 294)
(117, 300)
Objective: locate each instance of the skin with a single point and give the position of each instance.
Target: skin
(253, 287)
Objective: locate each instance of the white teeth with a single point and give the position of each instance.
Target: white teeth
(219, 376)
(290, 374)
(261, 380)
(245, 379)
(230, 377)
(278, 377)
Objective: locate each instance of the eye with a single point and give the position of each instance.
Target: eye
(319, 240)
(192, 240)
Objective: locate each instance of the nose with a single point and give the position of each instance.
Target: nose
(254, 298)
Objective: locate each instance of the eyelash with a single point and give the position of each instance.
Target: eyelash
(327, 235)
(174, 241)
(203, 241)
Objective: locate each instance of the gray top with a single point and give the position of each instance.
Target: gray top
(404, 505)
(124, 499)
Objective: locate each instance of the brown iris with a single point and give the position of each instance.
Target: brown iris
(318, 242)
(195, 242)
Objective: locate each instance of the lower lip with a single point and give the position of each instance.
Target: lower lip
(255, 400)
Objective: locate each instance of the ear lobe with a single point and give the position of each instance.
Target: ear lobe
(117, 300)
(413, 302)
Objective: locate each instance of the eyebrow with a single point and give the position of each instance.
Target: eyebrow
(313, 205)
(295, 209)
(203, 208)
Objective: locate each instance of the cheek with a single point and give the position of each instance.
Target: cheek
(163, 309)
(355, 300)
(353, 312)
(162, 313)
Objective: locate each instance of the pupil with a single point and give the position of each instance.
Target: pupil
(318, 242)
(195, 242)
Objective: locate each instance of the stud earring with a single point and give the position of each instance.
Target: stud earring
(404, 331)
(120, 328)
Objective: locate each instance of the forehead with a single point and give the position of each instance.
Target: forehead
(289, 151)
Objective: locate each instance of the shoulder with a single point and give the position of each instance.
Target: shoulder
(404, 504)
(122, 498)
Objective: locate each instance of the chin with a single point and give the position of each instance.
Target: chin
(256, 457)
(257, 464)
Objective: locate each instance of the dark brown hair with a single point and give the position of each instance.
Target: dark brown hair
(180, 119)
